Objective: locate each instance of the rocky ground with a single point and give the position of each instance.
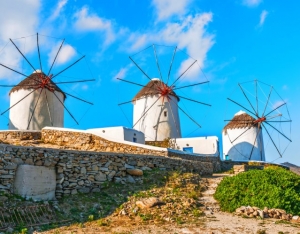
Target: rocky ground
(165, 202)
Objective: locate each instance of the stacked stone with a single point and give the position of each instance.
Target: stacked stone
(19, 135)
(253, 212)
(82, 171)
(90, 142)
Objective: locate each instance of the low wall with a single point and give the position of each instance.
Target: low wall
(82, 171)
(86, 141)
(228, 164)
(19, 135)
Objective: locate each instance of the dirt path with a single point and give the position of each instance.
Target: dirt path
(214, 221)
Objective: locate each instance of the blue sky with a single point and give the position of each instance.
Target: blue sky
(233, 41)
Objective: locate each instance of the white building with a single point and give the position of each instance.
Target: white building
(243, 139)
(47, 109)
(157, 119)
(119, 133)
(208, 146)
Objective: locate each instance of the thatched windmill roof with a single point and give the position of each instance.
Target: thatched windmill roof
(152, 89)
(32, 82)
(241, 120)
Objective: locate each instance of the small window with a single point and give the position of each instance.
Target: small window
(165, 113)
(134, 139)
(188, 149)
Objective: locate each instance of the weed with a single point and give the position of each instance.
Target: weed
(179, 220)
(91, 218)
(197, 213)
(261, 231)
(146, 217)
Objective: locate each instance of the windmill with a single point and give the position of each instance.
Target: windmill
(165, 83)
(39, 100)
(262, 121)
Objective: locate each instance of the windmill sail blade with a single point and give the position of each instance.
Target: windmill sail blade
(13, 70)
(194, 100)
(55, 57)
(48, 107)
(19, 101)
(78, 98)
(241, 106)
(276, 108)
(248, 100)
(187, 114)
(241, 134)
(37, 42)
(257, 134)
(272, 140)
(182, 87)
(139, 68)
(157, 63)
(184, 72)
(67, 67)
(146, 112)
(263, 114)
(279, 132)
(23, 55)
(66, 108)
(33, 111)
(74, 81)
(171, 65)
(173, 117)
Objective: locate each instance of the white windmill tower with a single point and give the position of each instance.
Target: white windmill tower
(157, 104)
(40, 108)
(243, 139)
(38, 101)
(264, 125)
(155, 112)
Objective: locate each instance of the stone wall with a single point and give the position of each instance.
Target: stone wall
(19, 135)
(244, 165)
(83, 171)
(86, 141)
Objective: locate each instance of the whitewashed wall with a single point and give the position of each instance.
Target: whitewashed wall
(154, 124)
(201, 145)
(20, 114)
(119, 133)
(240, 149)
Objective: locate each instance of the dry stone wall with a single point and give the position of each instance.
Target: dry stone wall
(83, 171)
(19, 135)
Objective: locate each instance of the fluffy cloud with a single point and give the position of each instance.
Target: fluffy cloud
(17, 20)
(251, 3)
(168, 8)
(86, 21)
(66, 53)
(188, 34)
(263, 17)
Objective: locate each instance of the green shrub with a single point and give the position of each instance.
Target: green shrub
(273, 187)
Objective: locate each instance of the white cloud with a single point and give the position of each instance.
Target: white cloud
(285, 87)
(58, 9)
(17, 20)
(121, 74)
(263, 17)
(252, 3)
(66, 53)
(168, 8)
(85, 21)
(189, 34)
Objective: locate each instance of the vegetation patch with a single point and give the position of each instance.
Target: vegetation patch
(273, 187)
